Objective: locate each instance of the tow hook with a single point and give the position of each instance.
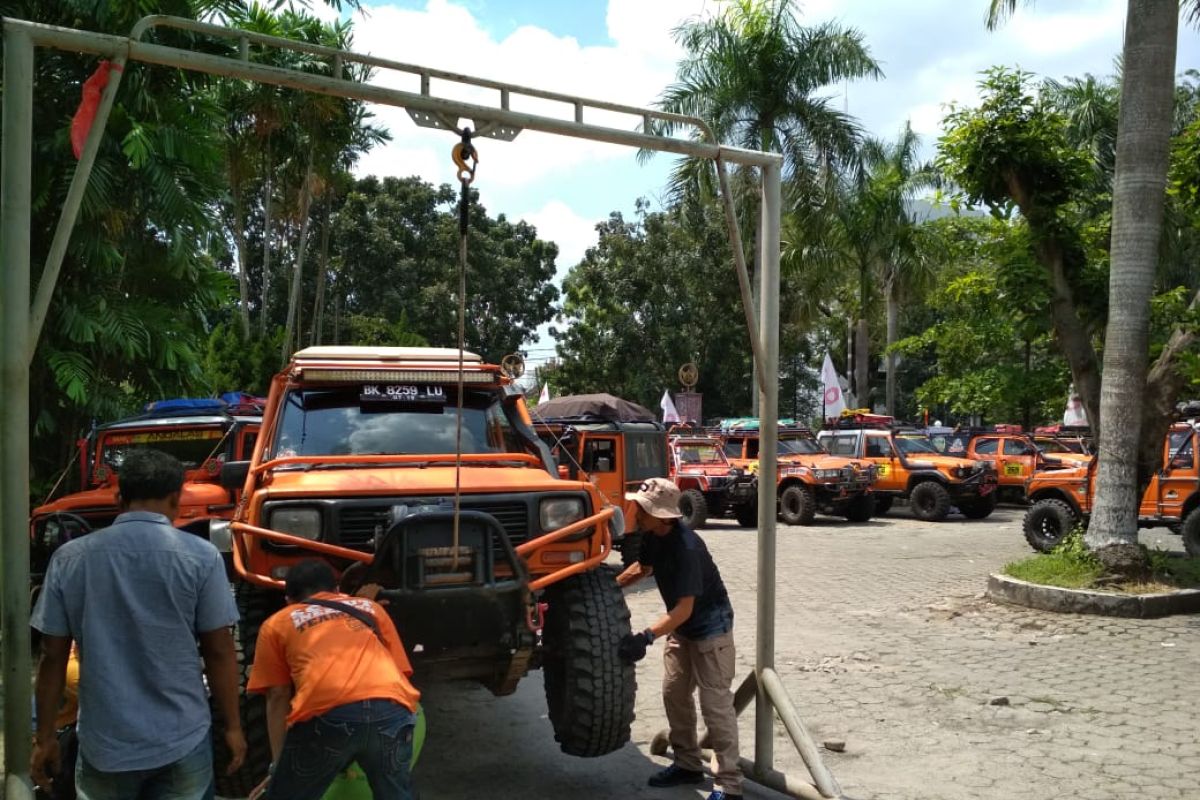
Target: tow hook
(535, 616)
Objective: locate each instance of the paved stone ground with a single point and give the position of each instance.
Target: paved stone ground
(884, 641)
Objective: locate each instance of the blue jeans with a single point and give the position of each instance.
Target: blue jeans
(378, 734)
(189, 778)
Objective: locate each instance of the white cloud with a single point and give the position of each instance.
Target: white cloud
(445, 36)
(573, 233)
(1058, 34)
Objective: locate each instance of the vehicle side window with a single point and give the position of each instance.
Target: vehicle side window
(1018, 447)
(733, 448)
(645, 456)
(877, 447)
(248, 441)
(987, 447)
(1184, 457)
(600, 455)
(843, 445)
(752, 448)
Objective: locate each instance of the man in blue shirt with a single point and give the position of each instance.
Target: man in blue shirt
(699, 649)
(136, 596)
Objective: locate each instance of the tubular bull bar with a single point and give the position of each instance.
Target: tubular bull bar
(524, 550)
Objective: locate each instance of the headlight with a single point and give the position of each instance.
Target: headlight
(297, 521)
(827, 474)
(220, 535)
(735, 473)
(616, 525)
(558, 512)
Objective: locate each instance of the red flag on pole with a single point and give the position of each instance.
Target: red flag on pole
(81, 123)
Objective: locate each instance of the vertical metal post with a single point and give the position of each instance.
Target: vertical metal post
(15, 194)
(768, 433)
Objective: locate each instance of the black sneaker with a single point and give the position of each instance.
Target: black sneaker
(675, 776)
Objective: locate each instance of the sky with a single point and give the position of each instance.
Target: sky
(931, 52)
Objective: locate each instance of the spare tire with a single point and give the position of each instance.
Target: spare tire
(589, 688)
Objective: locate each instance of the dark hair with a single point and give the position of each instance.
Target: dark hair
(149, 475)
(309, 577)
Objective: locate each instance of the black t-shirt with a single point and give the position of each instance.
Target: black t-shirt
(683, 567)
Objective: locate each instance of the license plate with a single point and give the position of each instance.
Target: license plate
(402, 393)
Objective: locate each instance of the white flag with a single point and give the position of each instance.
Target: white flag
(668, 408)
(833, 403)
(545, 395)
(1074, 415)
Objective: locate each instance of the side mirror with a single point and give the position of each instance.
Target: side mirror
(233, 474)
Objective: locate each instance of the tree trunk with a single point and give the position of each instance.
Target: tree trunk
(893, 332)
(266, 260)
(239, 241)
(850, 361)
(1139, 192)
(298, 271)
(322, 276)
(861, 364)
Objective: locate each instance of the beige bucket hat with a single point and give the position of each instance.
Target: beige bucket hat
(658, 497)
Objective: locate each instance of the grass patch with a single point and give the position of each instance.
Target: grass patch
(1072, 566)
(1055, 569)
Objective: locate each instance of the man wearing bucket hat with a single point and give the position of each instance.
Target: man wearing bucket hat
(698, 652)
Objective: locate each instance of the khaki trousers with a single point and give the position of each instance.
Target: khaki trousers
(707, 665)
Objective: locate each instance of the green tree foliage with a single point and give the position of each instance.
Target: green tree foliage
(139, 282)
(395, 245)
(656, 292)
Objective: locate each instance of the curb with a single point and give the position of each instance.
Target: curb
(1083, 601)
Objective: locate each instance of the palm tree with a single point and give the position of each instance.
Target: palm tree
(753, 72)
(1142, 150)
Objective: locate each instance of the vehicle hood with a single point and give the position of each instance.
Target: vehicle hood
(710, 470)
(940, 461)
(194, 500)
(412, 479)
(821, 461)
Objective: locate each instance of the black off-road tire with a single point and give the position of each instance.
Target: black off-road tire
(631, 547)
(883, 504)
(746, 514)
(797, 506)
(694, 507)
(929, 501)
(254, 606)
(979, 509)
(1190, 531)
(589, 688)
(860, 508)
(1048, 522)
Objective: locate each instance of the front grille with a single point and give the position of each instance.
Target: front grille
(358, 524)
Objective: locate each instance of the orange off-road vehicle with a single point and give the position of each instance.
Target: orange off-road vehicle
(1013, 455)
(609, 441)
(809, 478)
(1063, 499)
(202, 434)
(358, 463)
(710, 486)
(908, 466)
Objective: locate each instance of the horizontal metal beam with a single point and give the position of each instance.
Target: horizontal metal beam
(113, 46)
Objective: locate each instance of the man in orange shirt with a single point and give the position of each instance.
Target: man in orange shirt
(336, 679)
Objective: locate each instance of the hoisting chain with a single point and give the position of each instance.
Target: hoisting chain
(465, 160)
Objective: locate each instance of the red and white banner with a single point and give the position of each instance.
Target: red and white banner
(832, 401)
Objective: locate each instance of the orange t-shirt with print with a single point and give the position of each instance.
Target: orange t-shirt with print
(331, 658)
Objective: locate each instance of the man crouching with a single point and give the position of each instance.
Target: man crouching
(336, 679)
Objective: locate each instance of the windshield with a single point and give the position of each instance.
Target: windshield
(915, 445)
(800, 447)
(383, 420)
(1053, 446)
(697, 453)
(190, 445)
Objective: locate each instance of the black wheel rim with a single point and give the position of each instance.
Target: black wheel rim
(1049, 531)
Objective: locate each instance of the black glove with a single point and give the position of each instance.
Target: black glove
(633, 646)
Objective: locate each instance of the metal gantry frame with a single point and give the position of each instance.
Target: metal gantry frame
(22, 320)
